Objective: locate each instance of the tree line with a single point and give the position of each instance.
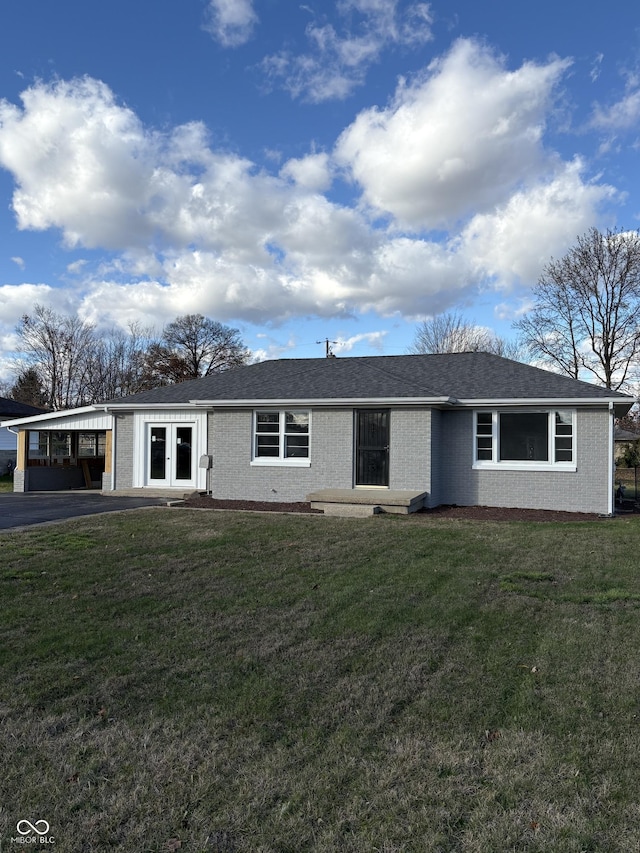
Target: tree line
(64, 362)
(584, 321)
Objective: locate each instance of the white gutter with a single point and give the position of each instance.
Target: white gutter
(546, 401)
(114, 439)
(131, 407)
(327, 401)
(612, 461)
(373, 401)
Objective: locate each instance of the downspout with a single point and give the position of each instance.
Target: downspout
(114, 439)
(13, 432)
(612, 463)
(24, 461)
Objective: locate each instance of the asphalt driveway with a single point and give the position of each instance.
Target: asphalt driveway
(18, 509)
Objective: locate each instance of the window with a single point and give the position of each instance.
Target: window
(484, 435)
(525, 438)
(281, 437)
(91, 444)
(38, 444)
(563, 436)
(60, 444)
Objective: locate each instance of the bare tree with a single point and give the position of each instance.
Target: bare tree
(586, 315)
(116, 367)
(57, 346)
(450, 332)
(192, 346)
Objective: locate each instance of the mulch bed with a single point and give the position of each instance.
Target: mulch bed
(204, 502)
(477, 513)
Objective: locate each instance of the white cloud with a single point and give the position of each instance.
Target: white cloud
(462, 137)
(338, 59)
(192, 229)
(550, 213)
(312, 172)
(596, 67)
(231, 22)
(374, 339)
(76, 267)
(16, 300)
(623, 115)
(19, 262)
(80, 162)
(510, 312)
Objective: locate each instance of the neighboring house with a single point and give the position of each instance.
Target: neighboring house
(623, 439)
(11, 409)
(463, 428)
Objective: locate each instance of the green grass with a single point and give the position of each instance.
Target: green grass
(195, 681)
(6, 483)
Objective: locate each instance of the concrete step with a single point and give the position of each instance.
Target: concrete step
(361, 502)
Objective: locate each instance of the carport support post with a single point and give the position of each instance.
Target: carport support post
(108, 459)
(20, 471)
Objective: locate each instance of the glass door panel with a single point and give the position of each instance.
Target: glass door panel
(158, 453)
(183, 453)
(170, 455)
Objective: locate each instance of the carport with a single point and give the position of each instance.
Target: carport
(64, 451)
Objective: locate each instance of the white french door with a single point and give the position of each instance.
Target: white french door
(170, 455)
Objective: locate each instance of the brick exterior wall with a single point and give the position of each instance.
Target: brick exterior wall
(410, 455)
(124, 451)
(19, 481)
(234, 478)
(585, 490)
(430, 451)
(435, 450)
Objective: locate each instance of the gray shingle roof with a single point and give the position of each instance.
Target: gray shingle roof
(462, 376)
(14, 409)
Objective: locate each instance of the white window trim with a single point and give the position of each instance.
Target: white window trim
(280, 461)
(523, 465)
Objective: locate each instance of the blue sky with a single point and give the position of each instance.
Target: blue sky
(307, 171)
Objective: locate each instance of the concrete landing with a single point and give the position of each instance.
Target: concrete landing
(361, 502)
(169, 497)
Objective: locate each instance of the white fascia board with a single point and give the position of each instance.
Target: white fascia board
(546, 401)
(333, 401)
(139, 407)
(48, 416)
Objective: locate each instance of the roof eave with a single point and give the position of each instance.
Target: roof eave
(325, 401)
(131, 407)
(49, 416)
(546, 401)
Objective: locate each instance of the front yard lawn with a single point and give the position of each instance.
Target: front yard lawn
(199, 681)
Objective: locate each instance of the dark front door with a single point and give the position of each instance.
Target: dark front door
(372, 447)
